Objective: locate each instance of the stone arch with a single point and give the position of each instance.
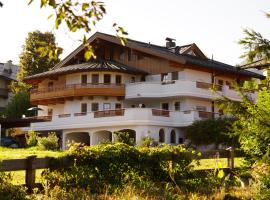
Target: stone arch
(173, 137)
(131, 132)
(77, 137)
(161, 136)
(101, 136)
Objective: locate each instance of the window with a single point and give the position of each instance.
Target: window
(84, 108)
(50, 85)
(50, 111)
(118, 79)
(129, 54)
(220, 82)
(84, 79)
(111, 53)
(174, 76)
(118, 106)
(177, 105)
(95, 78)
(164, 77)
(165, 106)
(173, 137)
(161, 135)
(107, 79)
(180, 140)
(142, 78)
(132, 79)
(201, 108)
(94, 107)
(106, 106)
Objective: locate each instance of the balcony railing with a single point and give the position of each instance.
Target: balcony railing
(109, 113)
(161, 113)
(50, 94)
(207, 115)
(42, 118)
(207, 86)
(64, 115)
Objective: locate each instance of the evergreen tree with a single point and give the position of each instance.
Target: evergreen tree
(40, 53)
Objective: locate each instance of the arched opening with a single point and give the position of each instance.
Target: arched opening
(161, 135)
(131, 133)
(102, 136)
(78, 137)
(173, 137)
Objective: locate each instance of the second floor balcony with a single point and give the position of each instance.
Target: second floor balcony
(123, 117)
(58, 94)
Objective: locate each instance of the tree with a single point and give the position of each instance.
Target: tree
(18, 105)
(80, 15)
(40, 53)
(252, 123)
(208, 131)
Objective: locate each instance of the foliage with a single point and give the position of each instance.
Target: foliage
(40, 53)
(123, 137)
(9, 191)
(31, 138)
(80, 16)
(114, 165)
(147, 142)
(18, 105)
(48, 143)
(210, 131)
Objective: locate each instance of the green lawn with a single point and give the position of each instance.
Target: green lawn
(8, 153)
(217, 163)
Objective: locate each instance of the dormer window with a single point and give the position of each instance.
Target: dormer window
(107, 79)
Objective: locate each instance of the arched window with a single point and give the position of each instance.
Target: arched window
(173, 137)
(161, 135)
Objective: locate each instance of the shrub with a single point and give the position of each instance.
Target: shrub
(123, 137)
(114, 165)
(31, 138)
(208, 131)
(147, 142)
(9, 191)
(48, 143)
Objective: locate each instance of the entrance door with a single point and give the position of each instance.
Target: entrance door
(165, 106)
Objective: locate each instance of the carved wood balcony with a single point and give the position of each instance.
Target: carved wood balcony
(58, 94)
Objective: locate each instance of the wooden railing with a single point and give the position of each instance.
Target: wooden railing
(207, 115)
(64, 115)
(76, 86)
(207, 86)
(80, 114)
(161, 113)
(32, 163)
(44, 118)
(109, 113)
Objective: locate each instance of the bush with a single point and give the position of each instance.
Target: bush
(147, 142)
(48, 143)
(31, 138)
(123, 137)
(208, 131)
(115, 165)
(9, 191)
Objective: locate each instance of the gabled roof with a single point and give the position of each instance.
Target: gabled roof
(89, 66)
(178, 54)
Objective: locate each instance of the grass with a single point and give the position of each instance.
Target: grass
(8, 153)
(217, 163)
(18, 177)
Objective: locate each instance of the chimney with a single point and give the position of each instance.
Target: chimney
(170, 43)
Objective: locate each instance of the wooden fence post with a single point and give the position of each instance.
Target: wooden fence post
(30, 174)
(230, 157)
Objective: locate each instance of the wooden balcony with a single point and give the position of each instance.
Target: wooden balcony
(109, 113)
(44, 96)
(161, 113)
(207, 86)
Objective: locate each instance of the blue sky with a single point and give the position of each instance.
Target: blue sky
(214, 25)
